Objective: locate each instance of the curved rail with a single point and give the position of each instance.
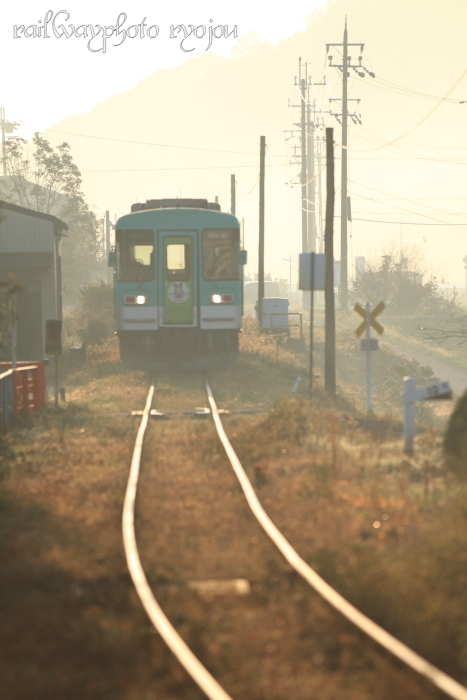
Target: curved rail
(396, 647)
(168, 633)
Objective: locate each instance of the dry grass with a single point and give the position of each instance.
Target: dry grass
(72, 626)
(387, 531)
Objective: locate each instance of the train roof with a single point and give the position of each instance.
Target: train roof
(171, 216)
(175, 204)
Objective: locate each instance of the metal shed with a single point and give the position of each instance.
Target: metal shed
(30, 257)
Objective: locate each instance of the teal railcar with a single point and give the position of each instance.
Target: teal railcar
(178, 285)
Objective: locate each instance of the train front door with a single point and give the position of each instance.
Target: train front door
(179, 279)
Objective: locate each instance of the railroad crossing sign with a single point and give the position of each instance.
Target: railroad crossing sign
(369, 343)
(373, 322)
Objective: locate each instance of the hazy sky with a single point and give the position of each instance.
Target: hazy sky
(149, 90)
(46, 80)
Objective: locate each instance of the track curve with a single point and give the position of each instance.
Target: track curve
(380, 635)
(189, 661)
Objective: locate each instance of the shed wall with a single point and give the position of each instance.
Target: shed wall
(23, 233)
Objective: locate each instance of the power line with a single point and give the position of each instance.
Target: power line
(150, 143)
(433, 48)
(408, 223)
(249, 191)
(404, 199)
(400, 149)
(407, 92)
(409, 131)
(154, 170)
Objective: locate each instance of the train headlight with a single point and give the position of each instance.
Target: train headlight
(139, 299)
(222, 298)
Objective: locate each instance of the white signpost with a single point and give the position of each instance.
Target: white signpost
(441, 391)
(312, 276)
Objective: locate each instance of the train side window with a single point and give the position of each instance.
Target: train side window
(135, 256)
(220, 254)
(177, 261)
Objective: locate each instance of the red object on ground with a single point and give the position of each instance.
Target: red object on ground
(28, 386)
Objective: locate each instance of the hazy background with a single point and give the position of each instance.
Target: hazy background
(199, 116)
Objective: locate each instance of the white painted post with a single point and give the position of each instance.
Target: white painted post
(409, 414)
(368, 358)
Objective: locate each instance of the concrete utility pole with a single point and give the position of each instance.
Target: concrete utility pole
(107, 247)
(312, 124)
(361, 71)
(330, 318)
(307, 126)
(262, 163)
(303, 172)
(320, 141)
(311, 204)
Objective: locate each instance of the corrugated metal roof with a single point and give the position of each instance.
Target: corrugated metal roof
(27, 231)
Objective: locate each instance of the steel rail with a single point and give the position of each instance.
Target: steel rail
(189, 661)
(373, 630)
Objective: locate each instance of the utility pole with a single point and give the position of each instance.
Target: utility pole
(330, 319)
(320, 196)
(303, 171)
(262, 162)
(307, 165)
(307, 124)
(344, 276)
(107, 247)
(311, 204)
(361, 71)
(232, 195)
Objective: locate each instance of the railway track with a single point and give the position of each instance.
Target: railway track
(209, 685)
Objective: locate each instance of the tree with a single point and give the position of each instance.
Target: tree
(450, 327)
(397, 278)
(93, 319)
(50, 182)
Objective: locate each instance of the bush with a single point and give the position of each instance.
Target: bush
(397, 279)
(455, 439)
(93, 321)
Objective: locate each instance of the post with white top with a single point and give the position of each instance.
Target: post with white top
(441, 391)
(311, 276)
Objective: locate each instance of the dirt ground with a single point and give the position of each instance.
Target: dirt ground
(71, 624)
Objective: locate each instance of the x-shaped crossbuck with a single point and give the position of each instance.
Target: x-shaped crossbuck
(373, 322)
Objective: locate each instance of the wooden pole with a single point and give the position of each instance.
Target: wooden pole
(330, 318)
(262, 163)
(312, 285)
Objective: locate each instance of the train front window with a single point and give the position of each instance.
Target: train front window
(135, 256)
(177, 257)
(220, 254)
